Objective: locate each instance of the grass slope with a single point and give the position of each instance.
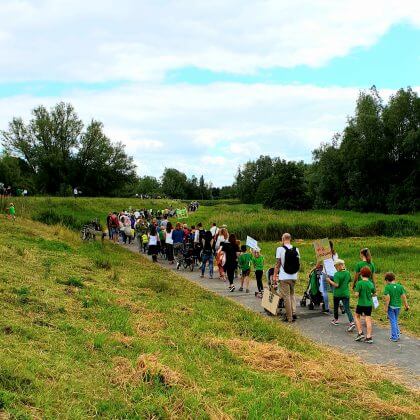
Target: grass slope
(92, 331)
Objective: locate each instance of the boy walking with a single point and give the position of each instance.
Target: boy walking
(258, 262)
(394, 292)
(364, 290)
(342, 279)
(244, 263)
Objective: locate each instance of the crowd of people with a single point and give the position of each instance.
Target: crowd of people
(215, 246)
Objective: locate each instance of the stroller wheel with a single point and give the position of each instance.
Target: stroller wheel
(311, 306)
(303, 302)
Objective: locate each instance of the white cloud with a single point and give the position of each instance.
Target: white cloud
(208, 130)
(138, 40)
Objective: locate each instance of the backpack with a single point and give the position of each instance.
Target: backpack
(291, 263)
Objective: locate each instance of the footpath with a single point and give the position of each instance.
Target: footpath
(403, 355)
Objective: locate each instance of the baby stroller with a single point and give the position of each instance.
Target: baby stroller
(186, 259)
(312, 292)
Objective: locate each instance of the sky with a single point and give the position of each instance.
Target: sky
(204, 86)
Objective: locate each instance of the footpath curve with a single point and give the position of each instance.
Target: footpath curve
(403, 355)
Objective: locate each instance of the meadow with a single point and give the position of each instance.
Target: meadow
(91, 330)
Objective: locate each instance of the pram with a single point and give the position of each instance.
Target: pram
(186, 259)
(312, 292)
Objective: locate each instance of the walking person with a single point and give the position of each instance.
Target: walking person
(394, 295)
(231, 252)
(169, 243)
(153, 243)
(364, 289)
(11, 212)
(207, 254)
(341, 282)
(178, 239)
(222, 237)
(286, 272)
(258, 263)
(366, 261)
(244, 264)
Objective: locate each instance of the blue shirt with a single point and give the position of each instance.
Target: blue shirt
(178, 236)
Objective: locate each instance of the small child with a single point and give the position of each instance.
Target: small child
(145, 241)
(12, 212)
(244, 263)
(258, 263)
(393, 293)
(364, 290)
(342, 279)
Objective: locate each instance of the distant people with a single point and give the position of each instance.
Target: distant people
(341, 283)
(286, 272)
(364, 289)
(153, 243)
(395, 295)
(366, 261)
(169, 242)
(231, 252)
(75, 192)
(25, 192)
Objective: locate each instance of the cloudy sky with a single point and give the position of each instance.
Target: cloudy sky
(203, 86)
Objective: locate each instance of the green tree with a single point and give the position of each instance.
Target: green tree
(148, 185)
(174, 183)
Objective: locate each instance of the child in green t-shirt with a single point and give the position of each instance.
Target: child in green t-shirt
(258, 263)
(394, 293)
(244, 263)
(11, 212)
(342, 279)
(365, 261)
(364, 290)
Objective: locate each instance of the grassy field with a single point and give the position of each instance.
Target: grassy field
(90, 330)
(243, 219)
(400, 255)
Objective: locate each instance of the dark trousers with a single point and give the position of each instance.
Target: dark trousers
(170, 252)
(346, 304)
(258, 276)
(230, 271)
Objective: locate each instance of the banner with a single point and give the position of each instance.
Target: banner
(182, 213)
(252, 243)
(322, 249)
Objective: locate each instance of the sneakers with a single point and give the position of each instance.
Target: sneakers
(359, 337)
(241, 289)
(247, 290)
(232, 288)
(202, 276)
(369, 340)
(211, 277)
(335, 322)
(326, 311)
(294, 317)
(351, 327)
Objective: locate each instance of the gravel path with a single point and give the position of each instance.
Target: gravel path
(403, 355)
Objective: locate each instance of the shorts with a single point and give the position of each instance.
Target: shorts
(364, 310)
(246, 273)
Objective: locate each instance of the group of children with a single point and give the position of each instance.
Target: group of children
(365, 291)
(245, 261)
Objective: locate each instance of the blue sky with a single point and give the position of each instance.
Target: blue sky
(204, 87)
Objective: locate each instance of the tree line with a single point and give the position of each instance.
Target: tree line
(373, 165)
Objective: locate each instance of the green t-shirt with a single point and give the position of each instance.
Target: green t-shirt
(12, 210)
(366, 289)
(395, 291)
(244, 261)
(258, 262)
(343, 279)
(362, 264)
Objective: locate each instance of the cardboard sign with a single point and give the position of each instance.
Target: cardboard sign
(251, 242)
(270, 301)
(322, 249)
(182, 213)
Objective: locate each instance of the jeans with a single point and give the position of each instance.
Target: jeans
(287, 290)
(324, 291)
(205, 258)
(346, 304)
(393, 314)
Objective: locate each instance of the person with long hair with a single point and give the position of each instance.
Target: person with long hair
(365, 261)
(222, 237)
(231, 251)
(169, 242)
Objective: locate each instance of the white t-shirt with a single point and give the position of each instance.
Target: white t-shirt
(168, 237)
(280, 253)
(197, 236)
(220, 240)
(214, 230)
(329, 267)
(136, 214)
(153, 240)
